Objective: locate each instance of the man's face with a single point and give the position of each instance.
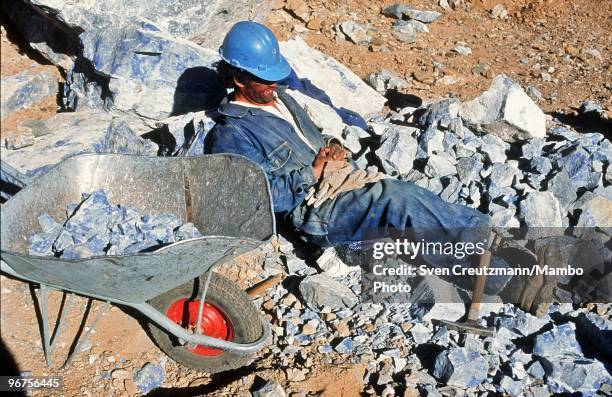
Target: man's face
(258, 91)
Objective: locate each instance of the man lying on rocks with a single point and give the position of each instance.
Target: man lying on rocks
(314, 187)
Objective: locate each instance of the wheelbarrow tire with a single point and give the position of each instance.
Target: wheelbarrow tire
(233, 302)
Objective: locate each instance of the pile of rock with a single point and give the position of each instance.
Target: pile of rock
(94, 227)
(323, 320)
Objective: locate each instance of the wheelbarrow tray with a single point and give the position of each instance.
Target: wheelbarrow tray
(227, 197)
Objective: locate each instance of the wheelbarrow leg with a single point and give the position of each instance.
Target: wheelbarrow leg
(49, 341)
(45, 324)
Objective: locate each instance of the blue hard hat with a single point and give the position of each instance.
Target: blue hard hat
(253, 47)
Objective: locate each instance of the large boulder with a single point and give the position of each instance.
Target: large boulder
(198, 20)
(505, 110)
(68, 134)
(151, 74)
(344, 88)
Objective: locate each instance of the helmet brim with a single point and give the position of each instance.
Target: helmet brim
(278, 72)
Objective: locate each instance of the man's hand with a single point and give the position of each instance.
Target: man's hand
(333, 152)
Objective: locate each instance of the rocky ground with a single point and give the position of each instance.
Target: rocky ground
(535, 169)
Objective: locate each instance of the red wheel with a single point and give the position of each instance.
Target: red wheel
(215, 323)
(228, 314)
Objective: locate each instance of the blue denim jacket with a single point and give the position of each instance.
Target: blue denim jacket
(271, 142)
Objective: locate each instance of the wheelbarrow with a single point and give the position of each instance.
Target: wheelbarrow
(198, 318)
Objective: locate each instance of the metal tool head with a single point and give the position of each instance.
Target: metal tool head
(467, 326)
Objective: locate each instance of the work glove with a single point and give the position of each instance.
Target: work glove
(339, 177)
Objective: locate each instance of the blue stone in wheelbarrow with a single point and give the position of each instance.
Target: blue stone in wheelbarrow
(95, 227)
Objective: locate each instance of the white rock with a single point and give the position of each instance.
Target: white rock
(506, 111)
(541, 209)
(397, 150)
(343, 87)
(331, 264)
(321, 114)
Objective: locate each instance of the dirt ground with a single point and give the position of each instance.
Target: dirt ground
(553, 39)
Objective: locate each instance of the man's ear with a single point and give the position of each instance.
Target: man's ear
(238, 83)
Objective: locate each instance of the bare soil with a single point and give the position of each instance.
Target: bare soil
(553, 37)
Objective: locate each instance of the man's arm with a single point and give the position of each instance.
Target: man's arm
(288, 190)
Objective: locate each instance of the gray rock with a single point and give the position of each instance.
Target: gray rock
(536, 370)
(344, 88)
(434, 298)
(590, 107)
(460, 367)
(185, 19)
(433, 185)
(503, 217)
(296, 374)
(565, 133)
(397, 151)
(538, 391)
(444, 4)
(499, 11)
(405, 33)
(512, 387)
(503, 175)
(16, 142)
(577, 163)
(560, 341)
(396, 10)
(352, 135)
(430, 142)
(463, 50)
(541, 209)
(356, 32)
(506, 111)
(270, 389)
(321, 290)
(25, 90)
(297, 266)
(149, 377)
(533, 148)
(345, 346)
(74, 133)
(152, 75)
(541, 165)
(384, 80)
(184, 135)
(121, 139)
(597, 331)
(439, 113)
(567, 374)
(439, 166)
(595, 210)
(563, 189)
(411, 25)
(331, 264)
(422, 16)
(420, 333)
(522, 323)
(322, 115)
(534, 93)
(452, 190)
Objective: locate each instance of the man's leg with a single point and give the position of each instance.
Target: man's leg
(390, 207)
